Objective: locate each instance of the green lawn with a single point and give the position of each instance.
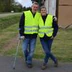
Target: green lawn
(8, 29)
(7, 34)
(8, 21)
(61, 48)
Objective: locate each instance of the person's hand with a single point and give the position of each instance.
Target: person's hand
(55, 18)
(21, 37)
(52, 37)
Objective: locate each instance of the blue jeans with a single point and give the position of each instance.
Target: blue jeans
(46, 44)
(28, 48)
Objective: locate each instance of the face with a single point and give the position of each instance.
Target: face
(35, 8)
(43, 12)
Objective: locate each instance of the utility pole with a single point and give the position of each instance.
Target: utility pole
(47, 5)
(57, 9)
(52, 7)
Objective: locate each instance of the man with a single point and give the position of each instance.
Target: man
(47, 31)
(28, 31)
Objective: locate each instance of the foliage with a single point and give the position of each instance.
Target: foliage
(16, 7)
(9, 5)
(41, 2)
(25, 9)
(5, 5)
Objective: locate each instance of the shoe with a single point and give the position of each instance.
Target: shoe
(56, 63)
(44, 67)
(29, 65)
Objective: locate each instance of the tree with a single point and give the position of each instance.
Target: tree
(9, 5)
(5, 5)
(2, 7)
(41, 2)
(17, 7)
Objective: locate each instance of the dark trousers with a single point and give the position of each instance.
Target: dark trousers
(46, 44)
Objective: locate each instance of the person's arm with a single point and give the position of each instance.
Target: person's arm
(55, 26)
(21, 25)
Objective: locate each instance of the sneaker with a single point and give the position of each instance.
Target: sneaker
(44, 67)
(56, 64)
(29, 65)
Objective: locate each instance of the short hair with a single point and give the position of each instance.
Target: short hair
(42, 7)
(35, 3)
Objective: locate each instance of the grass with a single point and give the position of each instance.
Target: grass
(8, 28)
(7, 34)
(61, 48)
(8, 21)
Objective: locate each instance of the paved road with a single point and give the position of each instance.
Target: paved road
(8, 14)
(7, 62)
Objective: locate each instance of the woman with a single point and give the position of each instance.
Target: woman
(47, 31)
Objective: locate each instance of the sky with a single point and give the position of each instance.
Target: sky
(25, 3)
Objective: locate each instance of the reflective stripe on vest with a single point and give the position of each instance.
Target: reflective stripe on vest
(47, 27)
(31, 23)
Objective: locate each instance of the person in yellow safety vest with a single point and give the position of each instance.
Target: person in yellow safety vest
(47, 31)
(28, 29)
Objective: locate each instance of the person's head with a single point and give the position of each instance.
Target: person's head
(43, 11)
(35, 7)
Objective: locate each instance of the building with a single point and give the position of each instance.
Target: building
(64, 11)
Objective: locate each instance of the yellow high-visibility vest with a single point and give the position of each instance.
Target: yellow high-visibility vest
(31, 23)
(46, 28)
